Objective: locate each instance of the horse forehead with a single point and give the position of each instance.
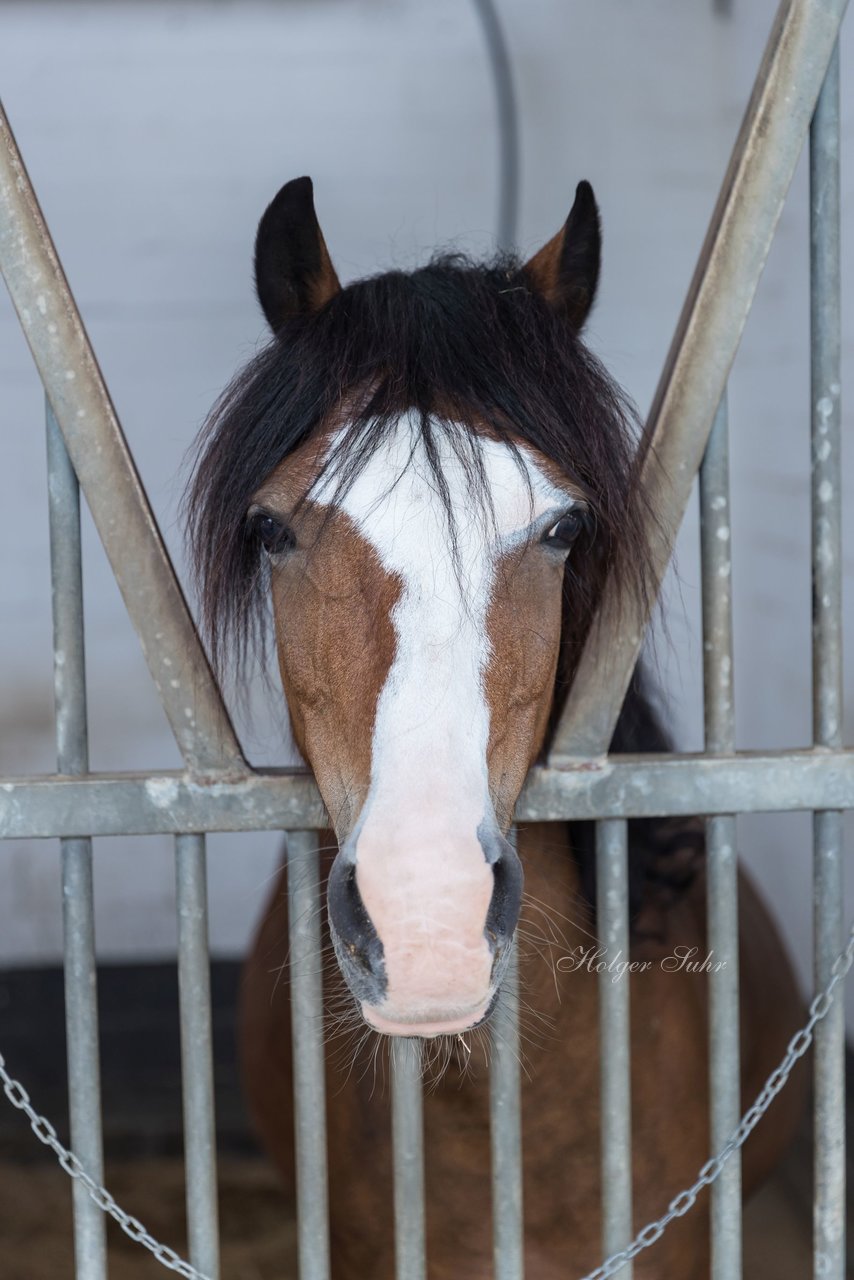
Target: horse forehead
(397, 505)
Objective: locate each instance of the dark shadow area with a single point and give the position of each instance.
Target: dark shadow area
(140, 1058)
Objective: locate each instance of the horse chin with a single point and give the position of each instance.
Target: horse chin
(427, 1027)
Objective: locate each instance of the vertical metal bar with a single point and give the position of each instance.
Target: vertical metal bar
(197, 1053)
(722, 859)
(408, 1140)
(612, 913)
(308, 1058)
(506, 1130)
(829, 1207)
(78, 912)
(508, 124)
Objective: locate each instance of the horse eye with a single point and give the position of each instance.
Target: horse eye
(563, 534)
(274, 536)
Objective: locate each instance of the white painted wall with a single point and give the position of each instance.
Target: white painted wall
(156, 133)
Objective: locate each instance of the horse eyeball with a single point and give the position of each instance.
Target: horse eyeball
(273, 535)
(564, 533)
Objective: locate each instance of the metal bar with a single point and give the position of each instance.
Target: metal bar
(78, 911)
(308, 1058)
(715, 554)
(704, 345)
(829, 1064)
(722, 859)
(408, 1141)
(620, 787)
(508, 124)
(506, 1130)
(197, 1077)
(77, 392)
(612, 914)
(826, 413)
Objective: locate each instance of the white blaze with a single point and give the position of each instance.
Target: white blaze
(421, 869)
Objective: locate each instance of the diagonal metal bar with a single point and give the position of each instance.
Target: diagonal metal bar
(704, 345)
(81, 403)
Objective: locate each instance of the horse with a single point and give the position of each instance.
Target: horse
(425, 477)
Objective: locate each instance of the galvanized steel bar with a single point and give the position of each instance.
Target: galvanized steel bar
(722, 859)
(78, 910)
(707, 337)
(612, 915)
(826, 413)
(716, 562)
(79, 398)
(506, 1130)
(619, 787)
(829, 1081)
(407, 1121)
(197, 1074)
(308, 1056)
(508, 124)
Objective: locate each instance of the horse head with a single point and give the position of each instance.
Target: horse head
(428, 475)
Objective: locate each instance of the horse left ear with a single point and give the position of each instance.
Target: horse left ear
(566, 270)
(293, 270)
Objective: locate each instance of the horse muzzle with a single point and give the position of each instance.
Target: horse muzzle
(422, 936)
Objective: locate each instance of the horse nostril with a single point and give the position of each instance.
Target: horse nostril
(356, 942)
(506, 898)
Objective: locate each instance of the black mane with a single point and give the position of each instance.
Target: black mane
(463, 345)
(468, 344)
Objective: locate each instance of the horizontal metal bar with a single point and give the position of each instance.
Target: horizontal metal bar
(103, 463)
(704, 345)
(616, 787)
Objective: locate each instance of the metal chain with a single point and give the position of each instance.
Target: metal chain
(45, 1132)
(713, 1168)
(652, 1232)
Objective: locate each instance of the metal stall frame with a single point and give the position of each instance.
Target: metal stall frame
(218, 791)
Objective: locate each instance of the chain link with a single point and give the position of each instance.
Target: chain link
(713, 1168)
(45, 1132)
(678, 1207)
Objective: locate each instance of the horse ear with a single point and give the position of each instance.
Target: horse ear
(293, 271)
(566, 270)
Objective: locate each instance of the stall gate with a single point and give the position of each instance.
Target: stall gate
(796, 91)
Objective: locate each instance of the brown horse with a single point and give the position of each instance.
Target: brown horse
(430, 475)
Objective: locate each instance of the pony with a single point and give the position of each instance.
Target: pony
(426, 477)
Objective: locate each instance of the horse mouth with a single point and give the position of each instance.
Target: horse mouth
(428, 1027)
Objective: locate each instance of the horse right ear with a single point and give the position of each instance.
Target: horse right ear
(294, 274)
(566, 270)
